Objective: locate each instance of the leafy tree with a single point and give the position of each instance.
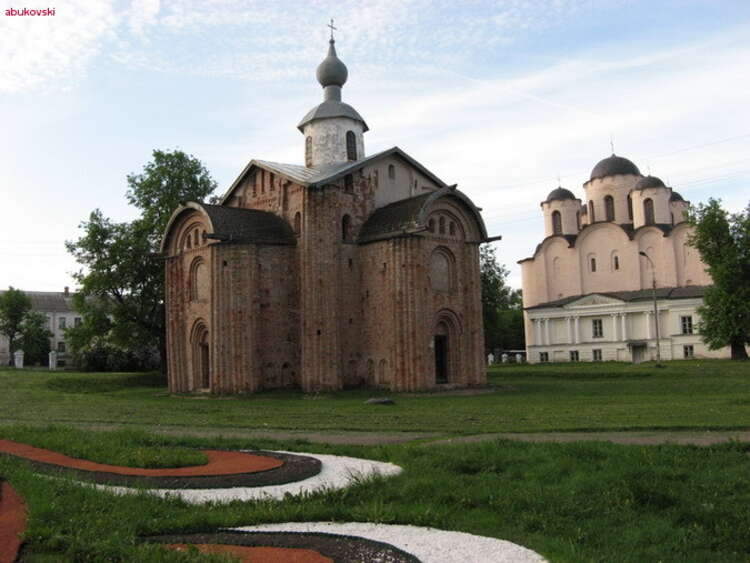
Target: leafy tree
(501, 305)
(119, 263)
(14, 304)
(723, 241)
(35, 338)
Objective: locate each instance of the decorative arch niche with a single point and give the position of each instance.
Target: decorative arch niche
(199, 280)
(200, 355)
(442, 270)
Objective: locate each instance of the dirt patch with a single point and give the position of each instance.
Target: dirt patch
(12, 522)
(254, 554)
(336, 548)
(224, 469)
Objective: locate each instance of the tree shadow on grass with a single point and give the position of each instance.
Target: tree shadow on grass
(109, 383)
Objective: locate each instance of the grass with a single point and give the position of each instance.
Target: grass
(555, 397)
(570, 502)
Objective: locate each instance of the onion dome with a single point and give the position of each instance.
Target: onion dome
(560, 193)
(649, 182)
(675, 197)
(612, 166)
(332, 72)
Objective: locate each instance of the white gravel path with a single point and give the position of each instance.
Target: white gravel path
(337, 472)
(429, 545)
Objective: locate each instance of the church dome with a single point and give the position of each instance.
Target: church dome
(649, 182)
(332, 72)
(675, 197)
(560, 193)
(612, 166)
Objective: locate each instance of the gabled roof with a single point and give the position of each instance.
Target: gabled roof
(686, 292)
(316, 176)
(410, 215)
(50, 301)
(234, 224)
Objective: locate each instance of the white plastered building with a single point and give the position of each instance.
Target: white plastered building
(587, 289)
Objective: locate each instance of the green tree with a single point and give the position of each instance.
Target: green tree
(723, 241)
(119, 262)
(14, 304)
(35, 338)
(501, 305)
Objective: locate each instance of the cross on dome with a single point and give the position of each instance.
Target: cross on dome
(332, 28)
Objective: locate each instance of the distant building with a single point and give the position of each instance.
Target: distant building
(587, 288)
(350, 270)
(57, 306)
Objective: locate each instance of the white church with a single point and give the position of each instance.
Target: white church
(588, 288)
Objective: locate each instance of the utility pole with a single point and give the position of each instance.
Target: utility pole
(656, 311)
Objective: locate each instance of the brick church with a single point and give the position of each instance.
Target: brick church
(351, 270)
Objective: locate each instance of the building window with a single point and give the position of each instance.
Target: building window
(593, 264)
(77, 321)
(597, 355)
(648, 211)
(597, 328)
(616, 262)
(578, 220)
(591, 212)
(348, 183)
(351, 146)
(630, 207)
(687, 351)
(61, 323)
(609, 208)
(441, 223)
(345, 228)
(452, 229)
(544, 357)
(431, 225)
(574, 355)
(556, 223)
(61, 347)
(391, 172)
(686, 323)
(297, 223)
(308, 152)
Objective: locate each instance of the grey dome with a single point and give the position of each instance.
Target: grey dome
(675, 197)
(332, 72)
(560, 193)
(613, 166)
(649, 182)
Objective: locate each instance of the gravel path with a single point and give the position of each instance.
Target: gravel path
(338, 472)
(430, 545)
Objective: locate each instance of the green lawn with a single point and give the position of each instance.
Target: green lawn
(562, 397)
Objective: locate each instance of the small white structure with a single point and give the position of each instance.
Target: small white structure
(504, 358)
(490, 359)
(519, 358)
(53, 360)
(18, 359)
(587, 289)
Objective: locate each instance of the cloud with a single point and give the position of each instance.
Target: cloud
(38, 51)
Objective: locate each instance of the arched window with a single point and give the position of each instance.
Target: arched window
(556, 223)
(308, 152)
(195, 237)
(591, 212)
(441, 222)
(615, 262)
(441, 270)
(431, 225)
(391, 172)
(297, 223)
(609, 208)
(203, 237)
(578, 220)
(648, 211)
(348, 183)
(198, 279)
(351, 146)
(452, 229)
(592, 263)
(345, 227)
(672, 215)
(630, 207)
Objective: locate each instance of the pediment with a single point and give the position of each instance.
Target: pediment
(594, 299)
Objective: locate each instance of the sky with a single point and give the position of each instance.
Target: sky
(507, 99)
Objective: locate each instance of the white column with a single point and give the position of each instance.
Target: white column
(648, 325)
(537, 332)
(577, 330)
(614, 326)
(624, 327)
(570, 329)
(546, 332)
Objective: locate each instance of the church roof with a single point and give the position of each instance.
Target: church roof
(612, 166)
(410, 215)
(331, 108)
(315, 176)
(237, 225)
(686, 292)
(649, 182)
(675, 197)
(560, 193)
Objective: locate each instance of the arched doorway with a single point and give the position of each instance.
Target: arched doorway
(442, 335)
(446, 347)
(201, 357)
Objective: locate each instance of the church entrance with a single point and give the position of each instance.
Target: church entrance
(205, 382)
(441, 358)
(201, 357)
